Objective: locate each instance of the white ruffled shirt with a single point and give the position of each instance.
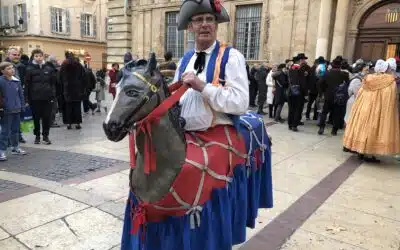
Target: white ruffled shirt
(233, 98)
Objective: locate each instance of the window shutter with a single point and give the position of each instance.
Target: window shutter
(82, 24)
(24, 17)
(53, 19)
(5, 14)
(94, 26)
(15, 11)
(67, 22)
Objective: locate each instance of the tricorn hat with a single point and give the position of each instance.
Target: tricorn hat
(321, 59)
(190, 8)
(301, 56)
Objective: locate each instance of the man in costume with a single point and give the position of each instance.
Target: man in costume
(298, 90)
(213, 95)
(373, 127)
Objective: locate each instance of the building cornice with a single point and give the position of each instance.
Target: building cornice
(39, 37)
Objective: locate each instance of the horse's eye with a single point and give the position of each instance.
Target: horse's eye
(131, 93)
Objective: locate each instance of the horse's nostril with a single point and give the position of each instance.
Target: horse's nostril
(114, 125)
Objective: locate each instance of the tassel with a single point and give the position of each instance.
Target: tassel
(132, 149)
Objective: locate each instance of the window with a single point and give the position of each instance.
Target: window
(20, 12)
(247, 30)
(60, 21)
(88, 25)
(4, 16)
(190, 41)
(174, 39)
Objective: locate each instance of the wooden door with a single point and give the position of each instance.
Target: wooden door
(372, 50)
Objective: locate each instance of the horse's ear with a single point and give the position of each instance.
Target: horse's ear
(152, 64)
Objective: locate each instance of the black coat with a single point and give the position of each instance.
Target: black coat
(313, 79)
(328, 84)
(299, 75)
(281, 85)
(91, 80)
(40, 82)
(73, 79)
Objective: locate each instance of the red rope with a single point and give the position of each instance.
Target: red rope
(144, 126)
(132, 150)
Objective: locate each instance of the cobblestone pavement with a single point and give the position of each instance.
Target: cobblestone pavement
(10, 186)
(56, 165)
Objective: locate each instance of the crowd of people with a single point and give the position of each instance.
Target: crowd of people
(331, 89)
(45, 88)
(326, 90)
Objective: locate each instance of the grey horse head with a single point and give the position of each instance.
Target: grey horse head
(139, 92)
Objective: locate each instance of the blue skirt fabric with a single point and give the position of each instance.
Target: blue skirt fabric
(226, 215)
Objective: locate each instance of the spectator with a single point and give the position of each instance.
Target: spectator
(73, 79)
(113, 79)
(13, 105)
(40, 89)
(14, 57)
(59, 100)
(168, 64)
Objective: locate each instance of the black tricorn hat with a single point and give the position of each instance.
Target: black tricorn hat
(190, 8)
(301, 56)
(321, 59)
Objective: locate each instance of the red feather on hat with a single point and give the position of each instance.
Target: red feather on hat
(217, 5)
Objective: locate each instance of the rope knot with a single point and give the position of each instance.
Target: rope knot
(139, 217)
(195, 216)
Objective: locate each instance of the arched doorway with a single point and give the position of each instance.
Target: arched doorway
(379, 32)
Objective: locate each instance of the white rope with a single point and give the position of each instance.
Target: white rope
(228, 137)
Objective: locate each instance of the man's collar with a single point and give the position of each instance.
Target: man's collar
(210, 49)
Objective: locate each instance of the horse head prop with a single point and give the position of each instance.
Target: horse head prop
(139, 92)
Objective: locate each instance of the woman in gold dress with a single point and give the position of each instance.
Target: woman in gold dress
(373, 127)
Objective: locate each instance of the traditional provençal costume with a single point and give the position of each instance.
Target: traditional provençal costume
(215, 215)
(374, 126)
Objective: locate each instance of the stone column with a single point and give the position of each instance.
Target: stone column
(323, 28)
(339, 31)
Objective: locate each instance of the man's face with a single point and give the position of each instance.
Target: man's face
(204, 27)
(9, 71)
(38, 58)
(14, 55)
(303, 61)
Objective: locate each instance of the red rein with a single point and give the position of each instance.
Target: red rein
(144, 126)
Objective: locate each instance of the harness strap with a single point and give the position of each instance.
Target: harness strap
(144, 126)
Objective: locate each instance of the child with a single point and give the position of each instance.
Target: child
(13, 104)
(100, 93)
(40, 89)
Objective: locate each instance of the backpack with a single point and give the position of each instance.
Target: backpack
(322, 70)
(341, 95)
(215, 75)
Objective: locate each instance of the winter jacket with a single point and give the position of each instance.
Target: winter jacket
(73, 79)
(20, 70)
(281, 85)
(329, 83)
(12, 95)
(299, 75)
(271, 87)
(91, 80)
(40, 82)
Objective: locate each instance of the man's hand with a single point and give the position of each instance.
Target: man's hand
(193, 81)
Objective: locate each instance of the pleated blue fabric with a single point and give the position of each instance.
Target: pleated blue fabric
(226, 215)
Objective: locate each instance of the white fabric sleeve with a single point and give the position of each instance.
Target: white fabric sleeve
(176, 77)
(233, 98)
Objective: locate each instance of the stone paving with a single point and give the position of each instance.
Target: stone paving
(84, 210)
(10, 185)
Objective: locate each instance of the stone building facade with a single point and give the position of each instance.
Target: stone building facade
(263, 30)
(56, 26)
